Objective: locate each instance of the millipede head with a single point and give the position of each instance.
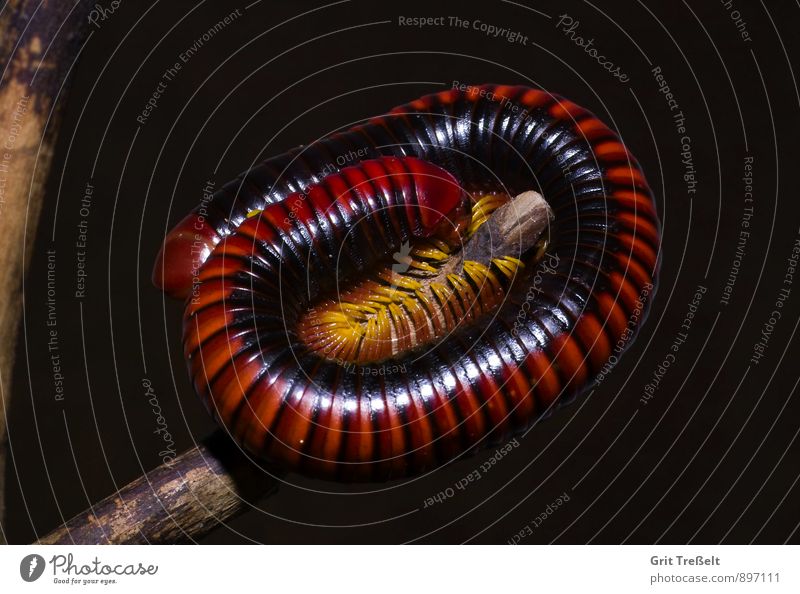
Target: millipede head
(444, 207)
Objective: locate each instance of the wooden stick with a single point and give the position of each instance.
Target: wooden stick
(513, 229)
(38, 43)
(176, 502)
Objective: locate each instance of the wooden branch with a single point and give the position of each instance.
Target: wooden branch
(38, 43)
(513, 229)
(176, 502)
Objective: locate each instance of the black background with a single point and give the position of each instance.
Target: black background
(711, 458)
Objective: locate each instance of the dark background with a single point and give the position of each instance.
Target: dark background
(711, 458)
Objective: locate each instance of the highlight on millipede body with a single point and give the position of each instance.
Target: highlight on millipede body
(476, 267)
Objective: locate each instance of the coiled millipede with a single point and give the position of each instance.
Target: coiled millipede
(367, 322)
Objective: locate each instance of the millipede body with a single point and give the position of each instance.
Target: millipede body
(366, 323)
